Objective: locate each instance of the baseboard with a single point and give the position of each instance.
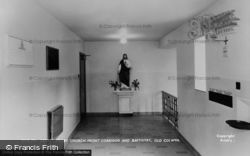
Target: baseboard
(105, 114)
(186, 142)
(116, 114)
(147, 113)
(72, 134)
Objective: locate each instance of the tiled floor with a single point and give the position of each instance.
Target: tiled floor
(137, 127)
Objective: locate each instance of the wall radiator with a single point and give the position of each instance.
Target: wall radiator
(55, 122)
(169, 107)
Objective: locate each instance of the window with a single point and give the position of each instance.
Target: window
(200, 64)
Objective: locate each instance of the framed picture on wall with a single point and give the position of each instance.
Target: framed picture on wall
(52, 58)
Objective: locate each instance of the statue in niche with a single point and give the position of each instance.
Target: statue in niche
(124, 72)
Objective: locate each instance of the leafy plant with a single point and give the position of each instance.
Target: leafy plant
(136, 84)
(114, 84)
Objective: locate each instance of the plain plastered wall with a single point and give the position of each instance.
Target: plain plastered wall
(2, 22)
(222, 73)
(152, 66)
(26, 100)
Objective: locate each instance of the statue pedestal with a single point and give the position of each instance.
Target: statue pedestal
(125, 102)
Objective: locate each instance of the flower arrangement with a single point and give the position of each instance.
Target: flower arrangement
(136, 84)
(114, 84)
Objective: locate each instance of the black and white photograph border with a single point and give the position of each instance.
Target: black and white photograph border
(125, 77)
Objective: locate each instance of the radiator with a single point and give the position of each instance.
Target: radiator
(169, 106)
(55, 122)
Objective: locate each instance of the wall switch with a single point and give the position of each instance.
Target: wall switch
(238, 86)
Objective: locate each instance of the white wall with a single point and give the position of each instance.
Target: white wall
(201, 132)
(152, 66)
(22, 96)
(2, 26)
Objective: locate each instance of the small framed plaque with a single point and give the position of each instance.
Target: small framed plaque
(52, 58)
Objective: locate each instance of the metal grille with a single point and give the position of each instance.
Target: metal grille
(55, 122)
(170, 110)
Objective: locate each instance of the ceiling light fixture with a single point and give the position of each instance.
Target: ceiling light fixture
(123, 40)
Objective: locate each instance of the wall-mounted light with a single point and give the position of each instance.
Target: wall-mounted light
(225, 48)
(22, 46)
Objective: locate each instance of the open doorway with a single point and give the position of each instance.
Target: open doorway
(82, 77)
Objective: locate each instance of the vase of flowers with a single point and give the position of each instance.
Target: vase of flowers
(136, 84)
(114, 84)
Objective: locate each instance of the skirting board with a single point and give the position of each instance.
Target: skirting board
(190, 147)
(113, 114)
(102, 114)
(72, 134)
(148, 113)
(184, 140)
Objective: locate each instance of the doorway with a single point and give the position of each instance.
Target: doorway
(82, 77)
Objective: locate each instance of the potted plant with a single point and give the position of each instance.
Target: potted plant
(136, 84)
(114, 84)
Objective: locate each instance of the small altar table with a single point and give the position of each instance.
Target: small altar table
(125, 102)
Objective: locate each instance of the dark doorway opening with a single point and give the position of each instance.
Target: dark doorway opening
(82, 77)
